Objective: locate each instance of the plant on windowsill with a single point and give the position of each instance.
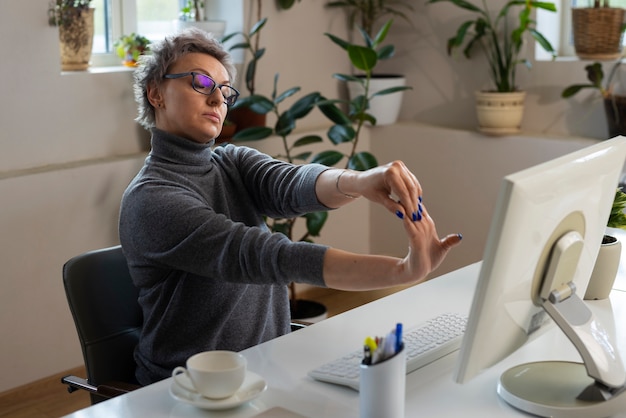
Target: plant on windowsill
(597, 31)
(76, 27)
(130, 47)
(193, 13)
(365, 16)
(614, 104)
(502, 46)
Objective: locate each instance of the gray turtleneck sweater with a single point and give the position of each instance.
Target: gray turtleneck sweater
(210, 273)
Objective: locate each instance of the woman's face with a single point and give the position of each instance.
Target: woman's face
(182, 111)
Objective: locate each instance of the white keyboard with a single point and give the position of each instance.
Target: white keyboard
(424, 344)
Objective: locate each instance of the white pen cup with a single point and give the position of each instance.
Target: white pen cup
(213, 374)
(382, 388)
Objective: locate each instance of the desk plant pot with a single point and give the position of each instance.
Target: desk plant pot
(605, 269)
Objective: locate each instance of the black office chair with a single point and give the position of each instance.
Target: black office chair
(108, 319)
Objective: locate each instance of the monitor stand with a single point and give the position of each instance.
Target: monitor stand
(594, 388)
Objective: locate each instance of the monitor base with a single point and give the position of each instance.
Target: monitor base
(553, 389)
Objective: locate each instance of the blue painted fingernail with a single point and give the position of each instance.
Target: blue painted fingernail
(399, 214)
(419, 216)
(420, 209)
(460, 236)
(414, 216)
(420, 199)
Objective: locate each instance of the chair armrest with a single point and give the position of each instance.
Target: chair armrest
(107, 390)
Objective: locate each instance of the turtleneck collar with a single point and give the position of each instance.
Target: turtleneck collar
(177, 149)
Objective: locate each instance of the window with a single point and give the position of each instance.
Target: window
(113, 18)
(153, 19)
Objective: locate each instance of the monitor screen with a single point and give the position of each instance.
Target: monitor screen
(555, 212)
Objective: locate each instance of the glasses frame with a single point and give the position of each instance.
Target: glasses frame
(228, 101)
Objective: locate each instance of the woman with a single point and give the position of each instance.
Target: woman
(211, 275)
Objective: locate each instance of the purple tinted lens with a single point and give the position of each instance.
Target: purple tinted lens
(204, 82)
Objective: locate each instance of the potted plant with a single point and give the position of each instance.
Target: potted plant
(76, 27)
(614, 104)
(598, 30)
(607, 262)
(501, 109)
(193, 13)
(243, 114)
(347, 128)
(130, 47)
(366, 16)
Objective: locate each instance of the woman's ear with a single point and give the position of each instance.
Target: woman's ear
(154, 95)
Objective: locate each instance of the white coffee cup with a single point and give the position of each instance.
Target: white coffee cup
(213, 374)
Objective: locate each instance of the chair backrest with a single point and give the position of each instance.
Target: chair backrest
(103, 302)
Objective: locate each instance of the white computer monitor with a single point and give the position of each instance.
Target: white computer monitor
(544, 238)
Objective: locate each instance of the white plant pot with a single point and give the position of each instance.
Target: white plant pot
(216, 27)
(605, 270)
(500, 113)
(385, 108)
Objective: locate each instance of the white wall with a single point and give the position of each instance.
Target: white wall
(69, 146)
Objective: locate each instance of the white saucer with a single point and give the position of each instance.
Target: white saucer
(252, 387)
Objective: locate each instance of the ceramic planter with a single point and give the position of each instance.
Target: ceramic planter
(385, 108)
(605, 269)
(500, 113)
(76, 38)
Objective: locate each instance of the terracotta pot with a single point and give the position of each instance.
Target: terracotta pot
(244, 118)
(605, 269)
(76, 38)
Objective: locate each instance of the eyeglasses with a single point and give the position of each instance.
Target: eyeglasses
(204, 84)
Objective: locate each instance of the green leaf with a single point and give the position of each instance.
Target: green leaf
(307, 140)
(257, 103)
(315, 222)
(328, 158)
(362, 58)
(391, 90)
(304, 105)
(286, 94)
(254, 133)
(386, 52)
(303, 156)
(362, 161)
(285, 124)
(343, 44)
(257, 27)
(341, 133)
(332, 112)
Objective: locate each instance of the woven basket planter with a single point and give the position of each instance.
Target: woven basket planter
(597, 32)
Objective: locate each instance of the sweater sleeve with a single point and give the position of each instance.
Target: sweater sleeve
(168, 226)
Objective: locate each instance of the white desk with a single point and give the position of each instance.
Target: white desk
(285, 361)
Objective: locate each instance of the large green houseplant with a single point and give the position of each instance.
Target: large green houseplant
(367, 16)
(614, 104)
(502, 44)
(75, 19)
(345, 129)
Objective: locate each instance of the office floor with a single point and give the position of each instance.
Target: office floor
(48, 398)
